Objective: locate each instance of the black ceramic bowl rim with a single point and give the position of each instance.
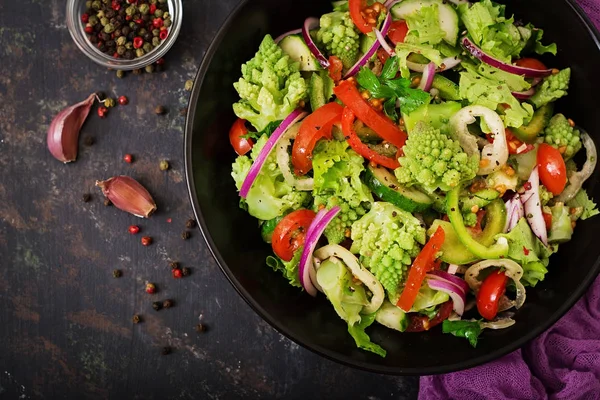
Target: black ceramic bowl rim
(572, 299)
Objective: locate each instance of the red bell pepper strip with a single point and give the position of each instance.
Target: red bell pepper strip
(360, 147)
(316, 126)
(424, 263)
(348, 94)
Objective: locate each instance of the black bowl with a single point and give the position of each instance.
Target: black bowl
(234, 238)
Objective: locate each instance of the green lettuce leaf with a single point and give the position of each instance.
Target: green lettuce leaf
(490, 93)
(582, 200)
(289, 269)
(362, 340)
(424, 26)
(527, 250)
(404, 49)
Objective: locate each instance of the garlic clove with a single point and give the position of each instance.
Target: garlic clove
(63, 133)
(128, 195)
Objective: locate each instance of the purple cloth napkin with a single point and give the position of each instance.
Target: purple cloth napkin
(563, 363)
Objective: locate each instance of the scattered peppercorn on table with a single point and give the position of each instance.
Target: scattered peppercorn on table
(98, 303)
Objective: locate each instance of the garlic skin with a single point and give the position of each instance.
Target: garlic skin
(128, 195)
(63, 133)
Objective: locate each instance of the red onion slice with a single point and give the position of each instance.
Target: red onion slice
(384, 44)
(494, 62)
(291, 119)
(294, 32)
(447, 277)
(310, 24)
(391, 3)
(314, 232)
(514, 212)
(533, 207)
(385, 27)
(458, 297)
(524, 95)
(447, 63)
(427, 78)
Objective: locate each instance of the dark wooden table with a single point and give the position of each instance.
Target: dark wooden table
(66, 327)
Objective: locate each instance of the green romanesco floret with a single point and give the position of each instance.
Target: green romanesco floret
(337, 182)
(339, 37)
(561, 135)
(270, 196)
(270, 87)
(470, 219)
(433, 160)
(552, 88)
(387, 239)
(545, 195)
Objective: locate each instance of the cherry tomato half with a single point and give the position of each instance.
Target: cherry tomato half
(240, 145)
(335, 68)
(290, 233)
(357, 9)
(398, 31)
(553, 171)
(492, 289)
(533, 63)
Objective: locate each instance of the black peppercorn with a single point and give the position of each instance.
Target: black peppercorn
(166, 350)
(107, 202)
(147, 37)
(168, 303)
(185, 271)
(157, 305)
(89, 140)
(136, 319)
(174, 264)
(105, 36)
(128, 54)
(185, 235)
(125, 30)
(191, 223)
(117, 273)
(160, 110)
(200, 328)
(137, 71)
(109, 14)
(86, 197)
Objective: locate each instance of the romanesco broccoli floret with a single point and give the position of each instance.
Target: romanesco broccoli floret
(337, 182)
(387, 238)
(270, 87)
(433, 160)
(270, 196)
(561, 135)
(545, 195)
(470, 219)
(339, 37)
(339, 229)
(553, 88)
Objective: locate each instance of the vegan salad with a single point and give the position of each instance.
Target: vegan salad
(406, 160)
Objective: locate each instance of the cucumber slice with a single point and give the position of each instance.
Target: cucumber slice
(385, 186)
(448, 89)
(392, 317)
(316, 92)
(298, 51)
(448, 16)
(528, 133)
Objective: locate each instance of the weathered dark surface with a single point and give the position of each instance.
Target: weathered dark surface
(66, 326)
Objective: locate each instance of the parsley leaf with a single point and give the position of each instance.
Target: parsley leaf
(269, 129)
(390, 89)
(469, 330)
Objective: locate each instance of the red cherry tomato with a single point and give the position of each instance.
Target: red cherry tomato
(398, 31)
(357, 8)
(335, 68)
(553, 171)
(532, 63)
(290, 233)
(240, 145)
(492, 289)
